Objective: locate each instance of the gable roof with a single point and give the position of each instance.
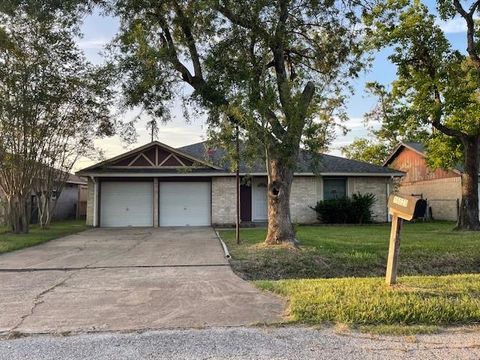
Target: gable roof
(74, 179)
(420, 149)
(417, 147)
(198, 160)
(323, 164)
(154, 156)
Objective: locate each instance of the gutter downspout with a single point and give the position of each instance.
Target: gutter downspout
(224, 246)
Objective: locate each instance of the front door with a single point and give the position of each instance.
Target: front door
(259, 203)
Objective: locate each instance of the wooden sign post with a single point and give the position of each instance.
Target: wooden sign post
(393, 250)
(401, 208)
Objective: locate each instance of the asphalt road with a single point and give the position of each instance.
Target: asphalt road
(243, 343)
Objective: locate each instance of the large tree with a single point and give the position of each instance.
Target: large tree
(438, 84)
(52, 105)
(278, 69)
(389, 123)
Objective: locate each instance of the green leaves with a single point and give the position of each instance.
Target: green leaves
(278, 69)
(53, 103)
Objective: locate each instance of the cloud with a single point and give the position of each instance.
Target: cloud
(355, 122)
(452, 26)
(96, 44)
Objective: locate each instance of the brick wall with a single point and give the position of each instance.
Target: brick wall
(90, 200)
(306, 191)
(376, 186)
(223, 200)
(442, 195)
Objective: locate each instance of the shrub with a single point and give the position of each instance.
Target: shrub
(354, 210)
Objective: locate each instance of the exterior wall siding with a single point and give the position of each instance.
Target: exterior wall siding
(223, 200)
(66, 207)
(416, 168)
(90, 200)
(441, 194)
(440, 187)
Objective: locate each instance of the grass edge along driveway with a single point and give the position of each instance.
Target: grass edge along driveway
(417, 304)
(11, 242)
(355, 251)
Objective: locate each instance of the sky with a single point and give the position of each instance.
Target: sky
(98, 30)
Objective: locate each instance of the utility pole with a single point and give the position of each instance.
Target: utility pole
(237, 174)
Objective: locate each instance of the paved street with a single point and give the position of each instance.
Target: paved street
(242, 343)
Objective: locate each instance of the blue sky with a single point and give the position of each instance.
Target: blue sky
(99, 30)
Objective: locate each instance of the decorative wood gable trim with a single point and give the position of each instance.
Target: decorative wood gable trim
(141, 155)
(153, 155)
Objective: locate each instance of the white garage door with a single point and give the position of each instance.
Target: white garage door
(126, 204)
(184, 204)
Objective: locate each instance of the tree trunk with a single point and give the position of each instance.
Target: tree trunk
(17, 214)
(44, 208)
(468, 215)
(280, 228)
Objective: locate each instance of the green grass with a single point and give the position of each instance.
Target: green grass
(359, 251)
(416, 304)
(11, 242)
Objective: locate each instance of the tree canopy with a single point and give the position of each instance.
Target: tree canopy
(437, 85)
(53, 103)
(279, 70)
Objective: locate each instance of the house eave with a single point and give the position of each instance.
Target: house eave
(223, 174)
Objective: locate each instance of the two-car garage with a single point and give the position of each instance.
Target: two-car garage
(137, 203)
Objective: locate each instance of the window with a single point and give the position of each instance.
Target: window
(334, 188)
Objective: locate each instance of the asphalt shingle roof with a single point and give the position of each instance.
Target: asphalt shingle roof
(306, 163)
(416, 146)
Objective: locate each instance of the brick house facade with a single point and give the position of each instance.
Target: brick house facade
(191, 188)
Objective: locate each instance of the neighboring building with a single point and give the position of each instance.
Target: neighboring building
(156, 185)
(441, 188)
(69, 205)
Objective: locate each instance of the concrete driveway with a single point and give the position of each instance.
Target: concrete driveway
(127, 279)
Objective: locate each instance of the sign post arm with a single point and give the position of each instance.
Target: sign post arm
(393, 250)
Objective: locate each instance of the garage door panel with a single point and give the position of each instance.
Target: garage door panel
(184, 204)
(126, 204)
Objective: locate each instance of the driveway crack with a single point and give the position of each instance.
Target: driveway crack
(37, 300)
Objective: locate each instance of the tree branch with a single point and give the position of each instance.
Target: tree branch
(170, 45)
(436, 121)
(187, 31)
(468, 16)
(245, 20)
(278, 50)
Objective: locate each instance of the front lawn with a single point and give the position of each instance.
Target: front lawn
(11, 242)
(344, 251)
(416, 301)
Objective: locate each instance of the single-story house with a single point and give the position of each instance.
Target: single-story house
(442, 188)
(157, 185)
